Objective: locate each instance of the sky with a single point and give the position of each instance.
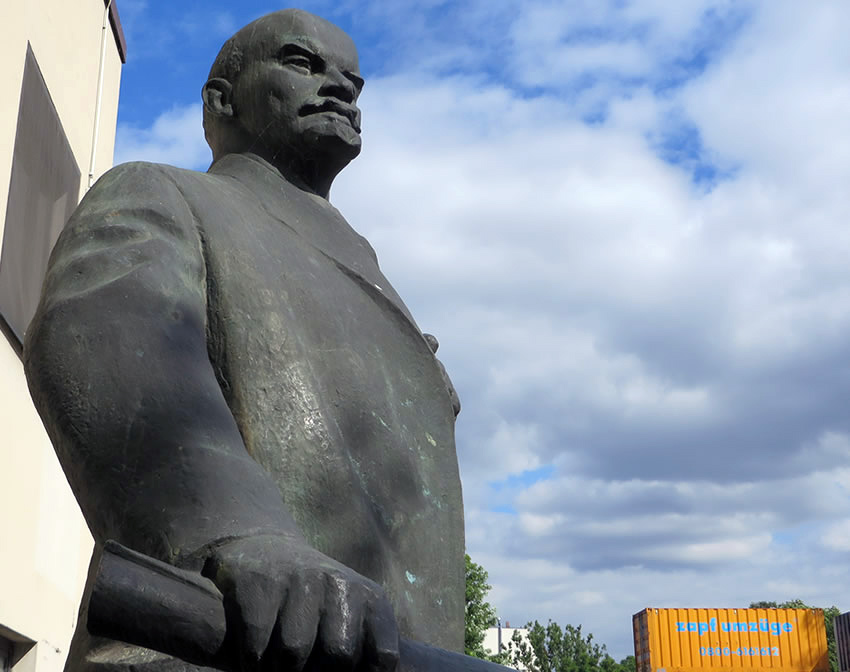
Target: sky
(627, 224)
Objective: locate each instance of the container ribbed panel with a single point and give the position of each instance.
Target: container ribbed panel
(681, 640)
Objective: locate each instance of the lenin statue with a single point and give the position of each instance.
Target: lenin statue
(234, 388)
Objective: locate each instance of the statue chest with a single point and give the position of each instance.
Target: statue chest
(338, 396)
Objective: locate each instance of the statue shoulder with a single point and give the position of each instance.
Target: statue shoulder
(136, 215)
(141, 191)
(143, 178)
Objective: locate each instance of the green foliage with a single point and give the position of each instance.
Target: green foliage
(551, 648)
(829, 614)
(479, 614)
(628, 664)
(503, 658)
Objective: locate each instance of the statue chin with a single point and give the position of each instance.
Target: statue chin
(330, 130)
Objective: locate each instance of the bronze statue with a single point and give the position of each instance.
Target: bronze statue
(234, 388)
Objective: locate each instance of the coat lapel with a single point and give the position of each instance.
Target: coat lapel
(317, 222)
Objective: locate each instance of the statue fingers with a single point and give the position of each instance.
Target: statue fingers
(341, 628)
(251, 603)
(380, 651)
(296, 630)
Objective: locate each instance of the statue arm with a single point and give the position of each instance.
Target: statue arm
(117, 364)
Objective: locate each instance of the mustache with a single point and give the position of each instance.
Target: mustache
(332, 105)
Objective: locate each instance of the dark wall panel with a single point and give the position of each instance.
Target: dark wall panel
(43, 192)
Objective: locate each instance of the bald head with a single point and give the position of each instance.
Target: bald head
(287, 82)
(261, 39)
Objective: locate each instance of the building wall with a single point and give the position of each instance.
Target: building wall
(65, 37)
(491, 638)
(44, 542)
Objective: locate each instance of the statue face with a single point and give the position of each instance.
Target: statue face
(298, 95)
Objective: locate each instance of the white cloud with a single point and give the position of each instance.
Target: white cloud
(510, 450)
(755, 103)
(626, 59)
(558, 46)
(176, 137)
(837, 536)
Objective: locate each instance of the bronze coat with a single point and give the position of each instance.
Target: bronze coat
(191, 320)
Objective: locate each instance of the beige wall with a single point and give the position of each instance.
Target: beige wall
(44, 542)
(65, 38)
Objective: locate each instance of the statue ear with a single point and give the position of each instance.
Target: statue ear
(217, 97)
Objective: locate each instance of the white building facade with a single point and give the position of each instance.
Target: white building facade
(497, 639)
(61, 63)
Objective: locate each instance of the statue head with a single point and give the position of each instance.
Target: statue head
(285, 87)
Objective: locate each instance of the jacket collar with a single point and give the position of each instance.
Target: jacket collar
(315, 220)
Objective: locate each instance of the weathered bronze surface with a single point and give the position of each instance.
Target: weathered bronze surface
(233, 387)
(134, 598)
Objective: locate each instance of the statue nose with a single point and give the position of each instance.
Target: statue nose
(338, 85)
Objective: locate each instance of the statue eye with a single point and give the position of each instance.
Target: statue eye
(299, 61)
(304, 60)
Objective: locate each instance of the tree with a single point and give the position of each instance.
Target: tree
(551, 648)
(829, 614)
(479, 614)
(628, 664)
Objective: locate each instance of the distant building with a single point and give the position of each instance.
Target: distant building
(60, 64)
(503, 634)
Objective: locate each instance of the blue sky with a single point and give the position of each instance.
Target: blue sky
(626, 224)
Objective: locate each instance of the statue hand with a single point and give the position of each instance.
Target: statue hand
(286, 603)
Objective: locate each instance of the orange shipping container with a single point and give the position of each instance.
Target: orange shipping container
(688, 640)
